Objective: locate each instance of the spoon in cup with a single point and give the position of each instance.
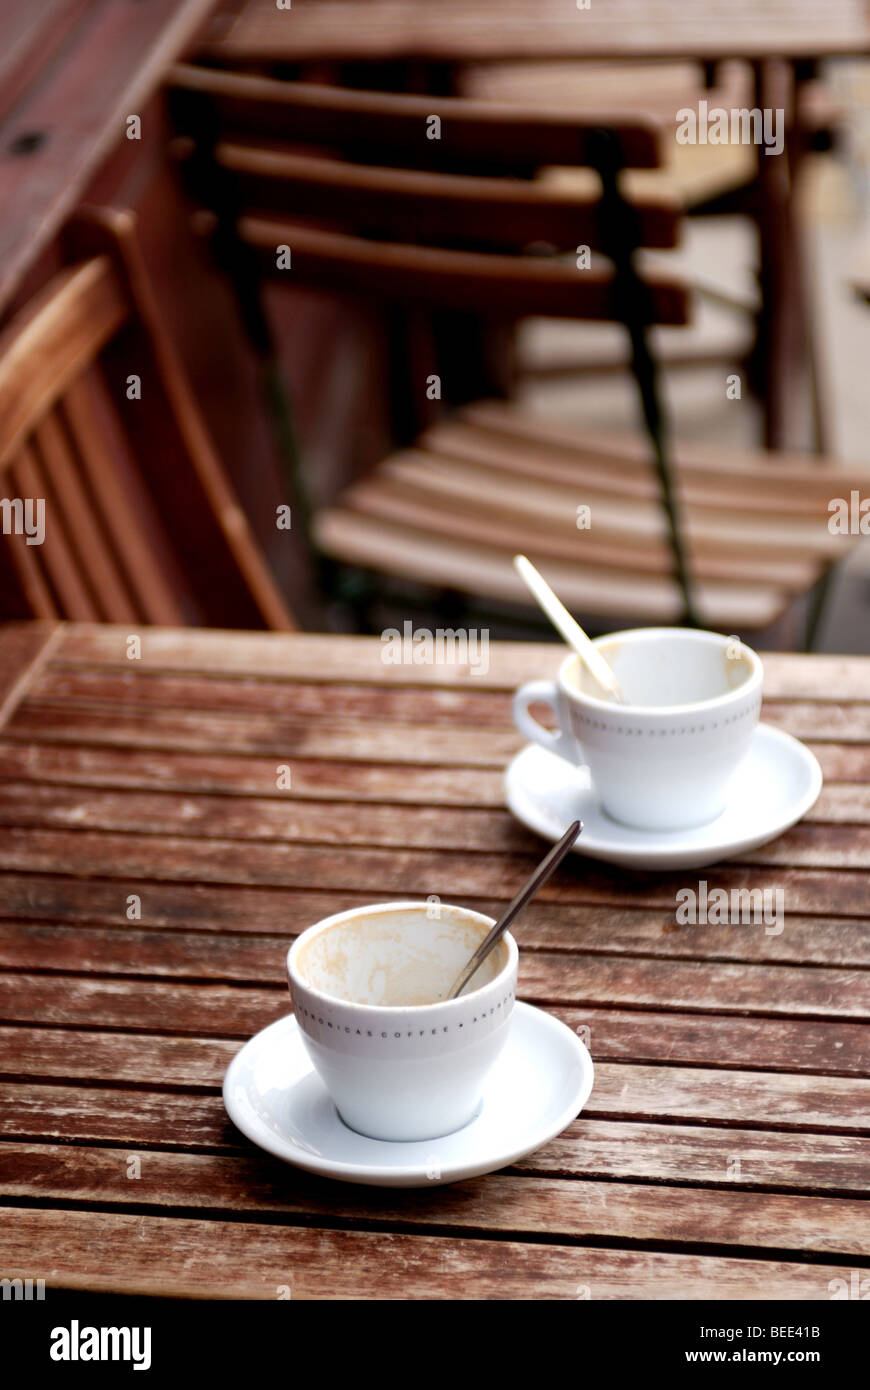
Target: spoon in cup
(569, 628)
(546, 867)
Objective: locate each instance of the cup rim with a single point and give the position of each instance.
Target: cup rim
(690, 707)
(294, 977)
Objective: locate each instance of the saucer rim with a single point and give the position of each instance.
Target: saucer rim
(407, 1174)
(658, 846)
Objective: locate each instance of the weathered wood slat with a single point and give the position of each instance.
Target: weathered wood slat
(154, 1006)
(745, 1158)
(842, 762)
(289, 818)
(628, 1035)
(839, 723)
(755, 1100)
(146, 1254)
(283, 738)
(509, 1204)
(719, 988)
(86, 685)
(596, 923)
(24, 647)
(154, 769)
(310, 657)
(44, 913)
(816, 846)
(677, 1152)
(566, 979)
(384, 873)
(317, 657)
(738, 1097)
(156, 1060)
(288, 736)
(262, 819)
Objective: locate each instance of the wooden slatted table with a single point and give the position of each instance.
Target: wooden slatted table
(724, 1150)
(492, 30)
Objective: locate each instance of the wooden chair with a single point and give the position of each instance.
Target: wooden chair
(490, 481)
(97, 422)
(710, 177)
(704, 179)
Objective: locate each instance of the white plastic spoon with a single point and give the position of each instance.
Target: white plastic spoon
(569, 628)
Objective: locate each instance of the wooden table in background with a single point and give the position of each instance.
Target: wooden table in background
(71, 72)
(724, 1150)
(433, 41)
(493, 30)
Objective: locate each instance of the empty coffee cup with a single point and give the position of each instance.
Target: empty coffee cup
(664, 759)
(369, 986)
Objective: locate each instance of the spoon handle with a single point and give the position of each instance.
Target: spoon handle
(546, 867)
(567, 626)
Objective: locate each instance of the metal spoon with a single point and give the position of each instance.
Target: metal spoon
(569, 628)
(526, 893)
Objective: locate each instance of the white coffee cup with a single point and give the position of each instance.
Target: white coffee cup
(412, 1069)
(664, 759)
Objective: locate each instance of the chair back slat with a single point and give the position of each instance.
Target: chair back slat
(494, 284)
(419, 208)
(141, 524)
(122, 508)
(72, 498)
(56, 552)
(26, 591)
(391, 206)
(490, 134)
(63, 329)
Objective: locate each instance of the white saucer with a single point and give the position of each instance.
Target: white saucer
(538, 1085)
(777, 783)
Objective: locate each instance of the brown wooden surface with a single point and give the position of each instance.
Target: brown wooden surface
(712, 1043)
(71, 72)
(497, 134)
(495, 482)
(470, 30)
(414, 205)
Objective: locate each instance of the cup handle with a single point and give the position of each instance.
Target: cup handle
(563, 743)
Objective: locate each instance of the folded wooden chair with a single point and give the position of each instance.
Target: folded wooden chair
(709, 179)
(366, 204)
(140, 523)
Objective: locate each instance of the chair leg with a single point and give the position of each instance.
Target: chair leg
(817, 600)
(278, 403)
(280, 407)
(620, 237)
(788, 350)
(645, 373)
